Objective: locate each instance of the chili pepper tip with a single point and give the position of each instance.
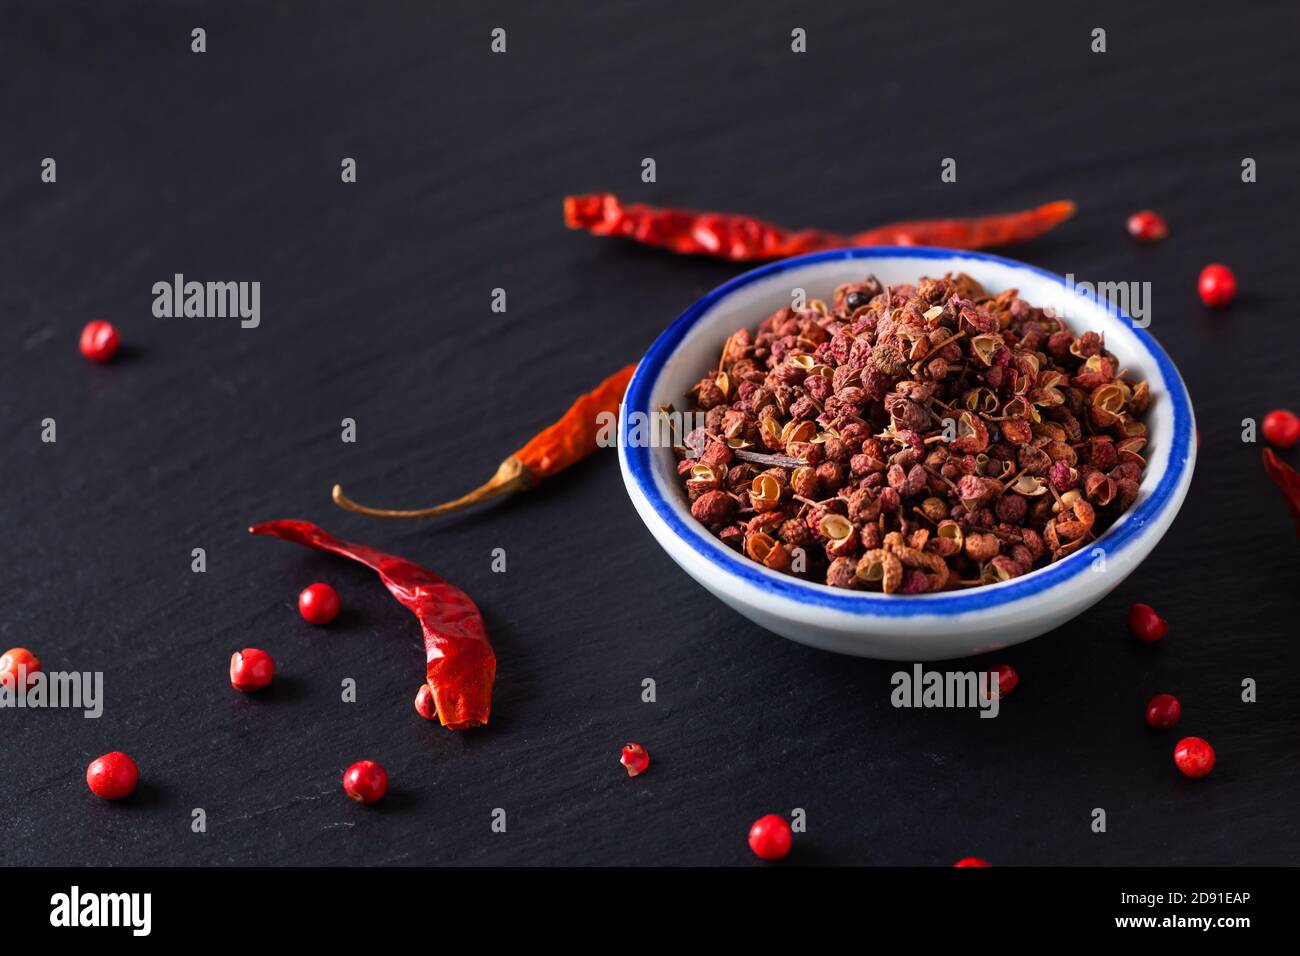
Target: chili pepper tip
(510, 477)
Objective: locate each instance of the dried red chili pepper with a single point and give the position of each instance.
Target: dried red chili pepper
(460, 665)
(1286, 478)
(742, 238)
(564, 443)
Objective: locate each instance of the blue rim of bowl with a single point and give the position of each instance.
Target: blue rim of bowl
(707, 546)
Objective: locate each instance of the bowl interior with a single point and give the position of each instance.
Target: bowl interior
(691, 346)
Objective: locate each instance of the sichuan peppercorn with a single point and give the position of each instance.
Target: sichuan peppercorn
(954, 438)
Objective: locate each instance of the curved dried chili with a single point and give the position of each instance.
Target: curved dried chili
(1287, 481)
(562, 444)
(460, 666)
(743, 238)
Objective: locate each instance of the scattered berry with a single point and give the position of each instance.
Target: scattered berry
(365, 781)
(319, 604)
(1217, 285)
(1146, 624)
(1281, 428)
(1147, 226)
(15, 661)
(1007, 680)
(99, 341)
(769, 837)
(1163, 711)
(635, 759)
(972, 861)
(1194, 756)
(112, 776)
(424, 705)
(251, 669)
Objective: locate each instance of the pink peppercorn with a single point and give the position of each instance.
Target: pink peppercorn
(365, 781)
(99, 341)
(1163, 711)
(1007, 679)
(424, 704)
(769, 837)
(18, 662)
(1281, 428)
(112, 776)
(251, 669)
(1217, 285)
(635, 759)
(1194, 756)
(1147, 226)
(319, 604)
(1145, 624)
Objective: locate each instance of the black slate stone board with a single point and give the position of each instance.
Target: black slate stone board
(375, 302)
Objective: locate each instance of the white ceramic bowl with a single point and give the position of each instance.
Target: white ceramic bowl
(891, 626)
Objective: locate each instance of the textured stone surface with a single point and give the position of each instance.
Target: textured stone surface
(375, 301)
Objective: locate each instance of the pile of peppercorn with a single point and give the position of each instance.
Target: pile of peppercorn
(913, 439)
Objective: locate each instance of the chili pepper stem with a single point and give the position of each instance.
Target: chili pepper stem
(511, 476)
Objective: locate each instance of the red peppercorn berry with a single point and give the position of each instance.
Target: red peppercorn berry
(769, 837)
(251, 669)
(972, 861)
(319, 604)
(1194, 756)
(635, 759)
(424, 705)
(365, 781)
(112, 776)
(1281, 428)
(1007, 680)
(1147, 226)
(99, 341)
(1217, 285)
(1163, 711)
(16, 662)
(1145, 624)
